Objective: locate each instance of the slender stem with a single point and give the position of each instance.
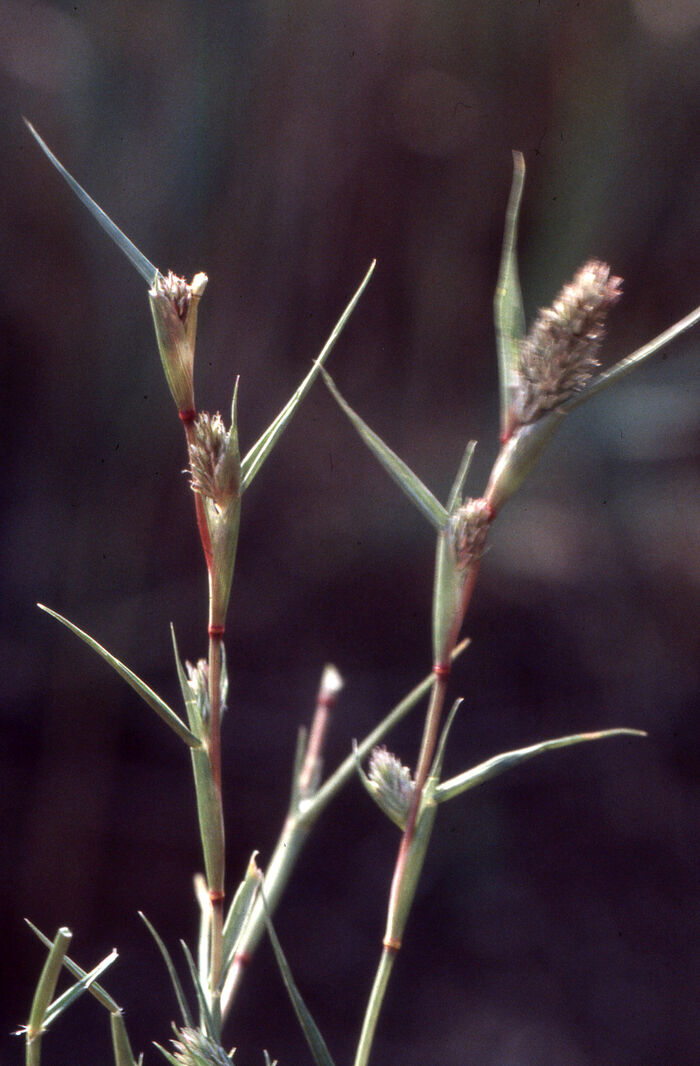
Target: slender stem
(374, 1006)
(393, 934)
(326, 701)
(216, 892)
(215, 708)
(409, 861)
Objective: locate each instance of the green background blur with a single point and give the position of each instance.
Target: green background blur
(280, 147)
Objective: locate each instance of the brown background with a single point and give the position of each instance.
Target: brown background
(280, 146)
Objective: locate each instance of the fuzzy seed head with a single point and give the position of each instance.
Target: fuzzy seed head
(391, 783)
(212, 473)
(179, 291)
(559, 354)
(198, 680)
(467, 531)
(195, 1049)
(174, 308)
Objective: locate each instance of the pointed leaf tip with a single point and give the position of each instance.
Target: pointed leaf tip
(140, 687)
(397, 469)
(137, 259)
(264, 445)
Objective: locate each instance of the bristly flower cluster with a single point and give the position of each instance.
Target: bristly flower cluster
(198, 680)
(176, 289)
(213, 467)
(467, 531)
(195, 1049)
(391, 784)
(174, 304)
(559, 354)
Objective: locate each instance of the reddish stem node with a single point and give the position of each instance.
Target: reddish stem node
(188, 415)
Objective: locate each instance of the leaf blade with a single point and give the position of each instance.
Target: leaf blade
(175, 980)
(71, 994)
(499, 763)
(317, 1044)
(398, 470)
(151, 698)
(137, 259)
(508, 302)
(263, 446)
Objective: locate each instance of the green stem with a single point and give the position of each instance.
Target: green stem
(374, 1006)
(394, 925)
(419, 825)
(216, 891)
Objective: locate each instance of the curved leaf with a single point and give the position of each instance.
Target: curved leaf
(476, 776)
(402, 474)
(140, 687)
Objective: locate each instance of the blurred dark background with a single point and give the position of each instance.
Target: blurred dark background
(280, 146)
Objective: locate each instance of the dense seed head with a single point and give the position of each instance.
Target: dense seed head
(559, 354)
(467, 531)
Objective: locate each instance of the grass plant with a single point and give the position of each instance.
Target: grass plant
(544, 373)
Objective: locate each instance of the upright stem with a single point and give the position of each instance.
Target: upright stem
(413, 847)
(216, 891)
(374, 1006)
(394, 927)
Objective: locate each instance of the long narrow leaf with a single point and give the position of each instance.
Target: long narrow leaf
(455, 498)
(140, 687)
(175, 980)
(476, 776)
(262, 448)
(436, 768)
(208, 1024)
(145, 268)
(191, 707)
(237, 916)
(317, 1044)
(97, 991)
(630, 362)
(402, 474)
(508, 301)
(71, 994)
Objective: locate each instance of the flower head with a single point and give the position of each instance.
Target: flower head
(391, 784)
(467, 531)
(198, 680)
(195, 1049)
(214, 463)
(174, 307)
(559, 354)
